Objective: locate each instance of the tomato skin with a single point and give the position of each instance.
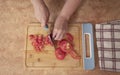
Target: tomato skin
(74, 55)
(40, 38)
(69, 37)
(60, 54)
(65, 46)
(33, 37)
(48, 40)
(37, 42)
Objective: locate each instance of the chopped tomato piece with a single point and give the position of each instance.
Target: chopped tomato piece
(74, 54)
(32, 37)
(65, 45)
(37, 42)
(60, 54)
(48, 40)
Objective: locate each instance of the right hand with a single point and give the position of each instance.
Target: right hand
(41, 12)
(60, 27)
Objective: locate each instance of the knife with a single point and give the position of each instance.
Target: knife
(50, 35)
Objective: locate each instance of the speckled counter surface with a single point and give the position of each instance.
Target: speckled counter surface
(15, 15)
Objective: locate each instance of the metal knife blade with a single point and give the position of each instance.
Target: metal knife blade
(52, 40)
(50, 35)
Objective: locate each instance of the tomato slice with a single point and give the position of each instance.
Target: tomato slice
(69, 37)
(48, 40)
(40, 38)
(60, 54)
(74, 54)
(65, 45)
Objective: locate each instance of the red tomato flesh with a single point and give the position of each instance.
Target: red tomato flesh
(74, 54)
(60, 54)
(48, 40)
(37, 42)
(65, 45)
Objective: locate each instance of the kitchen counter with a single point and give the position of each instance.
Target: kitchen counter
(15, 15)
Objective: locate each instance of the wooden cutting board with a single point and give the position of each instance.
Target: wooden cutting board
(47, 58)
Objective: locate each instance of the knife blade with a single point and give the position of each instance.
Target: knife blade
(50, 36)
(52, 40)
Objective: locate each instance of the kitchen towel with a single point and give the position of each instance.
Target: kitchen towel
(108, 44)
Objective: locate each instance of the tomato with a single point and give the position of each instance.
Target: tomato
(37, 42)
(60, 54)
(69, 37)
(74, 54)
(33, 37)
(65, 45)
(40, 38)
(48, 40)
(62, 42)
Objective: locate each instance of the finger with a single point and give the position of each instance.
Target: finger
(54, 33)
(58, 35)
(61, 35)
(43, 24)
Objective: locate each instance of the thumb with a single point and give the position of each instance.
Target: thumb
(44, 23)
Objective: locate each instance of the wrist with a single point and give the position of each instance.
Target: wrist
(65, 17)
(38, 3)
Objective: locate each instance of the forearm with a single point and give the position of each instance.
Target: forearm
(38, 3)
(69, 8)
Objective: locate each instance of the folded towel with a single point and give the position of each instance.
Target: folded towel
(108, 44)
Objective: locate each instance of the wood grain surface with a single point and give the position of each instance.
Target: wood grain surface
(47, 58)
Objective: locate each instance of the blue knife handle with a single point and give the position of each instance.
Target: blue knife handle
(46, 27)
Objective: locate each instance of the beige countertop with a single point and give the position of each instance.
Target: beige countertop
(15, 15)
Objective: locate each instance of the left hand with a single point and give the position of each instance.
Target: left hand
(60, 27)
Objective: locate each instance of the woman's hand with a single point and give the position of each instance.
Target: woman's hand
(41, 11)
(61, 23)
(60, 27)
